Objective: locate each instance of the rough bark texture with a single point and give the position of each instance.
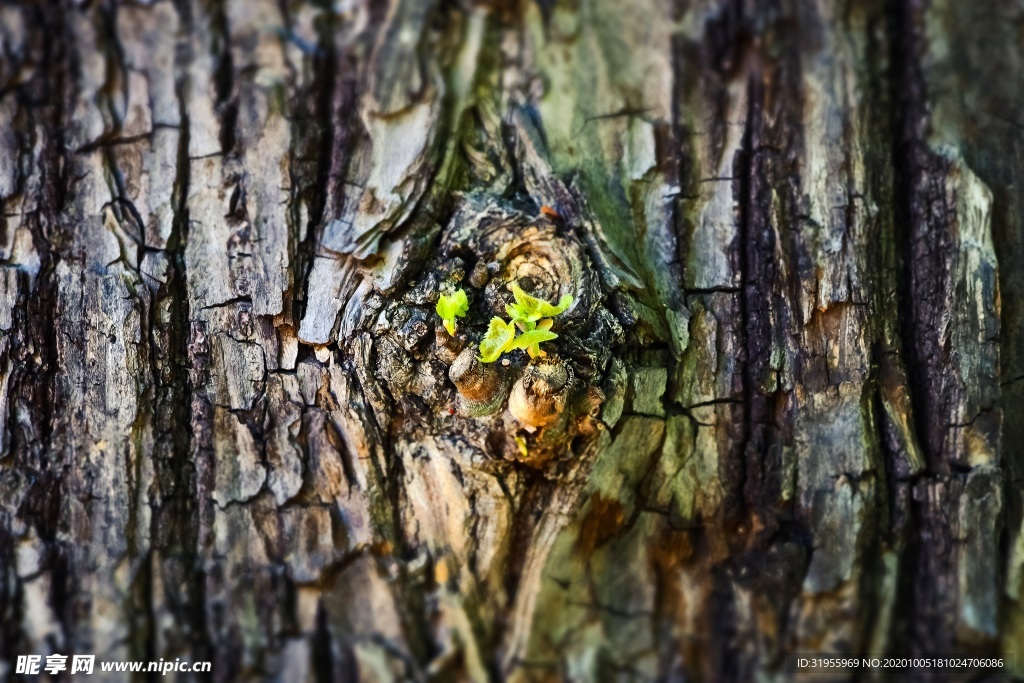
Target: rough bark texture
(788, 391)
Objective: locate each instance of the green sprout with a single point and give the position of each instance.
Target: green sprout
(451, 306)
(497, 340)
(527, 310)
(531, 340)
(533, 318)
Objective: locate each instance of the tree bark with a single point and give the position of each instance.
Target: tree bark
(231, 427)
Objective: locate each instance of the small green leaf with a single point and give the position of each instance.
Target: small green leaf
(451, 306)
(527, 339)
(548, 310)
(533, 309)
(563, 304)
(499, 335)
(516, 312)
(527, 308)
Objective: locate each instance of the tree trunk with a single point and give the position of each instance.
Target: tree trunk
(234, 429)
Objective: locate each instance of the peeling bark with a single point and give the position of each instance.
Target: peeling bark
(235, 430)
